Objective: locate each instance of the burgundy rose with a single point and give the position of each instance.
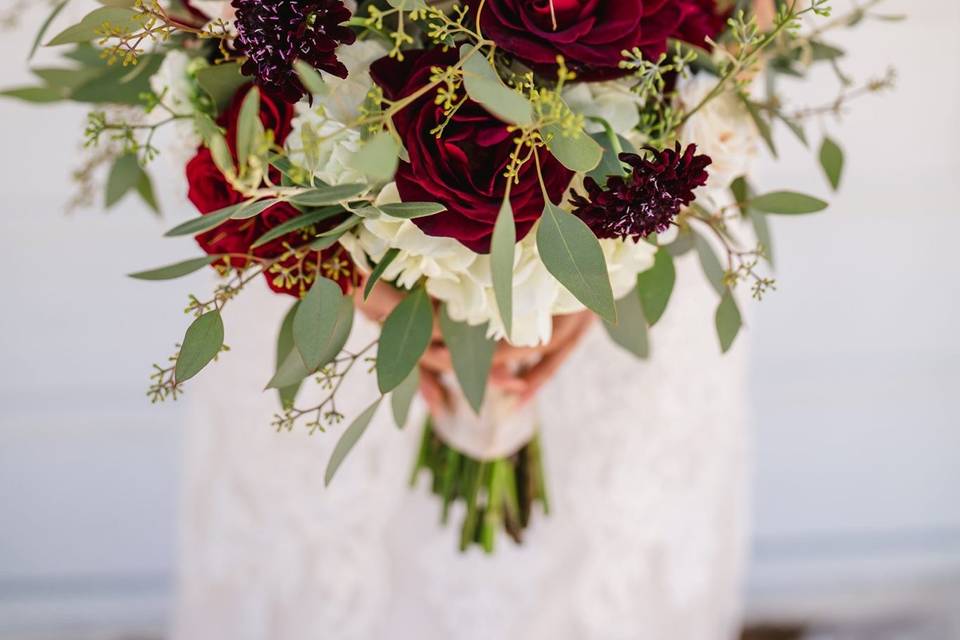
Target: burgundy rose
(592, 34)
(210, 191)
(464, 168)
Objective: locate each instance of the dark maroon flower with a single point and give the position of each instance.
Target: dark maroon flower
(273, 34)
(463, 169)
(647, 200)
(591, 35)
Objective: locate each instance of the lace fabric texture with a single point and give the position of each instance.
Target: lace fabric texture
(646, 466)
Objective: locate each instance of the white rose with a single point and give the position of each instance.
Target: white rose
(722, 129)
(612, 101)
(215, 9)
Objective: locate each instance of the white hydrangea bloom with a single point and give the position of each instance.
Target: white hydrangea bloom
(613, 101)
(462, 280)
(722, 129)
(321, 139)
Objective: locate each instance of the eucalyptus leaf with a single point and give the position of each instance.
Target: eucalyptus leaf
(285, 347)
(404, 339)
(221, 82)
(175, 270)
(378, 158)
(831, 159)
(502, 250)
(249, 126)
(377, 272)
(125, 175)
(572, 253)
(36, 95)
(401, 398)
(578, 152)
(349, 439)
(762, 229)
(202, 223)
(252, 208)
(300, 222)
(91, 26)
(472, 354)
(38, 40)
(728, 321)
(327, 195)
(485, 87)
(710, 264)
(201, 344)
(655, 286)
(763, 125)
(787, 202)
(409, 210)
(630, 331)
(311, 79)
(291, 372)
(145, 189)
(323, 323)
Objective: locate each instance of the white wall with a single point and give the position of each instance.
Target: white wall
(856, 362)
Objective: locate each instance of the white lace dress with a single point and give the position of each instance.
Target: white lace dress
(646, 466)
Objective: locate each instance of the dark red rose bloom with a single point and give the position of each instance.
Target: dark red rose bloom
(273, 34)
(275, 114)
(646, 201)
(592, 34)
(464, 168)
(210, 191)
(199, 16)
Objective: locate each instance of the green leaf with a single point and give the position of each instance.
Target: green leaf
(252, 208)
(249, 126)
(349, 439)
(472, 355)
(66, 80)
(787, 202)
(740, 189)
(728, 321)
(220, 151)
(794, 127)
(201, 344)
(311, 79)
(45, 27)
(36, 95)
(610, 164)
(712, 268)
(175, 270)
(378, 157)
(578, 152)
(831, 159)
(290, 373)
(404, 338)
(221, 82)
(655, 286)
(202, 223)
(117, 84)
(125, 175)
(145, 189)
(764, 237)
(401, 398)
(327, 195)
(763, 126)
(300, 222)
(410, 210)
(630, 331)
(572, 253)
(90, 27)
(322, 324)
(285, 346)
(484, 86)
(377, 272)
(502, 248)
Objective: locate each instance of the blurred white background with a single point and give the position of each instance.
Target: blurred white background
(855, 365)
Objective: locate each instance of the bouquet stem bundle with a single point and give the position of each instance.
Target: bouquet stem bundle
(498, 494)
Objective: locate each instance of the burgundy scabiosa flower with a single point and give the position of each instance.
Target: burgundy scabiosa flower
(275, 33)
(647, 200)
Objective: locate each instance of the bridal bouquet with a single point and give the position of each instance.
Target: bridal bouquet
(484, 177)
